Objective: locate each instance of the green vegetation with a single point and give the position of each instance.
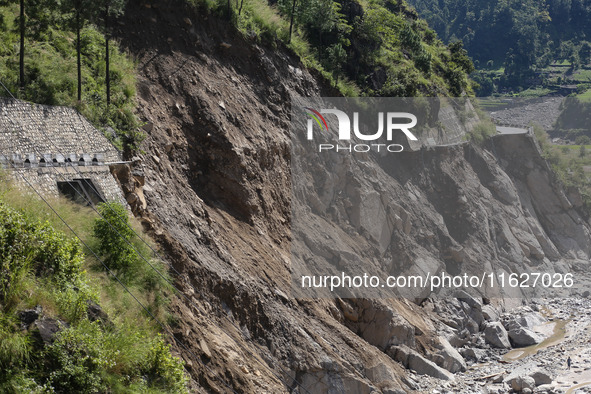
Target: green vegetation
(585, 96)
(118, 349)
(571, 163)
(482, 130)
(125, 254)
(574, 119)
(523, 37)
(375, 48)
(50, 66)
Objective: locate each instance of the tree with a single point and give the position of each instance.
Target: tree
(291, 19)
(110, 8)
(21, 81)
(585, 52)
(83, 10)
(336, 58)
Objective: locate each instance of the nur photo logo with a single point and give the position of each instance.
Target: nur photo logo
(387, 123)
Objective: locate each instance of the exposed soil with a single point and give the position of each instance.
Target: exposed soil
(217, 162)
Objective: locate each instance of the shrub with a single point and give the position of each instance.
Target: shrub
(15, 347)
(42, 268)
(28, 245)
(126, 254)
(482, 130)
(77, 360)
(114, 237)
(165, 370)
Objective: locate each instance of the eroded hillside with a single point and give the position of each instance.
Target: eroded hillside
(217, 185)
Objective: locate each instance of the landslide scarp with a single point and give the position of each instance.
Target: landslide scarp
(217, 162)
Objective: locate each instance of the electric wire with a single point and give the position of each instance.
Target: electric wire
(159, 257)
(152, 316)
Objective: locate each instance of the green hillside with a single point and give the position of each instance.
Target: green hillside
(374, 48)
(518, 43)
(66, 325)
(50, 69)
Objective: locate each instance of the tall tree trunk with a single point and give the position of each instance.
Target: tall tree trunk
(240, 9)
(22, 49)
(291, 19)
(78, 55)
(229, 10)
(107, 76)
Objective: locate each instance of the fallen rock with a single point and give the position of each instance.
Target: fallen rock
(95, 312)
(496, 335)
(28, 316)
(458, 338)
(489, 313)
(522, 336)
(381, 326)
(449, 358)
(528, 320)
(413, 360)
(540, 377)
(205, 348)
(473, 354)
(44, 330)
(545, 388)
(520, 383)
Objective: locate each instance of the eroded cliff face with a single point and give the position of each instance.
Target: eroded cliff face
(218, 192)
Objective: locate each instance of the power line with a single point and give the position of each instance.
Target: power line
(164, 328)
(108, 269)
(160, 257)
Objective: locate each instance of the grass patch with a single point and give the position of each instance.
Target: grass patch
(51, 72)
(585, 96)
(571, 164)
(45, 269)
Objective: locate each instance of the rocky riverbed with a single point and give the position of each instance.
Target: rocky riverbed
(563, 329)
(521, 112)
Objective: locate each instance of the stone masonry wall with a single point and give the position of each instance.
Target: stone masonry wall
(45, 180)
(27, 128)
(36, 142)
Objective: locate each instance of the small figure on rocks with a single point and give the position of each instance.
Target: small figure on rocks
(568, 361)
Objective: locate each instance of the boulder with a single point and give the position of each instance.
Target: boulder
(521, 337)
(473, 354)
(413, 360)
(489, 313)
(496, 335)
(28, 316)
(545, 388)
(382, 326)
(528, 320)
(44, 330)
(95, 312)
(540, 377)
(521, 383)
(468, 299)
(449, 358)
(381, 374)
(458, 338)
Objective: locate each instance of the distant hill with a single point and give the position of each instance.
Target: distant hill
(519, 36)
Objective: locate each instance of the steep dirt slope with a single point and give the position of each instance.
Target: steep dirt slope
(217, 176)
(217, 186)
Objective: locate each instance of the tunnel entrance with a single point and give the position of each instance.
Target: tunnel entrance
(81, 191)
